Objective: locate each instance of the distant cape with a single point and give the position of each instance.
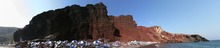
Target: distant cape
(6, 34)
(91, 22)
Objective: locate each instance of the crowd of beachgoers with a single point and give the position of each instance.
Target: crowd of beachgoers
(80, 44)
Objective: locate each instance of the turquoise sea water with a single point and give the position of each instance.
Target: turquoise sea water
(210, 44)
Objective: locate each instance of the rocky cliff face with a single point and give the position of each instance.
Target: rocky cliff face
(92, 22)
(126, 26)
(71, 22)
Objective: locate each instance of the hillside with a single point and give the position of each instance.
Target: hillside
(6, 34)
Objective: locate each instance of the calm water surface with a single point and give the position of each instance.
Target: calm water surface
(211, 44)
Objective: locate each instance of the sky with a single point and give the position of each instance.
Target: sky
(175, 16)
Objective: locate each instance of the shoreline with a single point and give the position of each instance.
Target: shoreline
(7, 47)
(123, 46)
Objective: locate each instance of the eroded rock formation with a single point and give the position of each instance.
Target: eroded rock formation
(92, 22)
(126, 26)
(71, 22)
(151, 34)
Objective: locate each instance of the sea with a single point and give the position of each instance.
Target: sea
(210, 44)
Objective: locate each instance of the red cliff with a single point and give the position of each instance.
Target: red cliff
(126, 26)
(92, 22)
(157, 34)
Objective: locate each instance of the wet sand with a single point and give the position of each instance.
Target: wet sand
(149, 46)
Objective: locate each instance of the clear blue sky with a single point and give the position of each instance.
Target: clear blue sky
(175, 16)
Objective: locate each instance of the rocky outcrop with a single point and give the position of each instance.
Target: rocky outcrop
(92, 22)
(126, 26)
(163, 36)
(71, 23)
